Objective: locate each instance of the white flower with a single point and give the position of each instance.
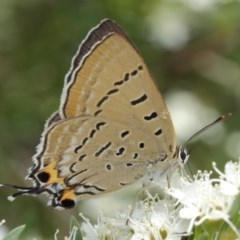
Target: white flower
(230, 179)
(203, 198)
(106, 228)
(157, 219)
(150, 219)
(87, 229)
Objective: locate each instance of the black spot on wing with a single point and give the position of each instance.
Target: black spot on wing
(102, 149)
(100, 103)
(82, 157)
(135, 155)
(118, 83)
(108, 167)
(84, 141)
(151, 116)
(43, 177)
(140, 67)
(120, 151)
(97, 112)
(158, 132)
(93, 131)
(134, 72)
(124, 134)
(126, 77)
(141, 145)
(115, 90)
(139, 100)
(100, 124)
(129, 164)
(78, 148)
(72, 166)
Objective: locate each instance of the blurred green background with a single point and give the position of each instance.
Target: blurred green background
(192, 48)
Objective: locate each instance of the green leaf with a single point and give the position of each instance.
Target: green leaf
(15, 233)
(208, 230)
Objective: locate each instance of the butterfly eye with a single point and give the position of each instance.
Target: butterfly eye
(67, 203)
(183, 155)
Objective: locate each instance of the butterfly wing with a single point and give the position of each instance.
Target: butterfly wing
(111, 127)
(95, 155)
(109, 79)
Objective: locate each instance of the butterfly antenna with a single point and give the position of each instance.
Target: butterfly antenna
(221, 118)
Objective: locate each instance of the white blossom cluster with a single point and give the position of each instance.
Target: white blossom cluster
(185, 204)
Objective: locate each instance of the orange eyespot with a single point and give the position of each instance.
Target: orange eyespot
(67, 199)
(43, 177)
(49, 174)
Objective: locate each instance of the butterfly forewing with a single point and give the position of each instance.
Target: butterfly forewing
(112, 81)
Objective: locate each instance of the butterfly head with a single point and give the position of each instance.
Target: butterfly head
(182, 155)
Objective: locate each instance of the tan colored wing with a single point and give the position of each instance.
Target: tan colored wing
(109, 79)
(96, 155)
(112, 127)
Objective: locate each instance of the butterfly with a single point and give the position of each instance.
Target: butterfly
(112, 126)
